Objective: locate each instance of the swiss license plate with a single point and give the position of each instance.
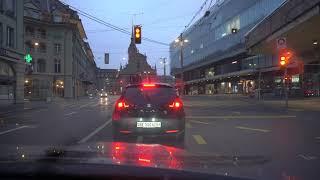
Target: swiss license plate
(148, 124)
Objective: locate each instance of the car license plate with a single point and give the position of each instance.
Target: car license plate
(148, 124)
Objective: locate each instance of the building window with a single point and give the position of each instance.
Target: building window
(1, 36)
(10, 37)
(42, 48)
(41, 65)
(57, 66)
(10, 9)
(29, 47)
(42, 33)
(57, 48)
(29, 31)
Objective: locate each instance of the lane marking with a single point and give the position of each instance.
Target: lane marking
(306, 157)
(69, 114)
(11, 130)
(83, 140)
(298, 110)
(85, 105)
(199, 122)
(252, 129)
(199, 139)
(188, 125)
(241, 117)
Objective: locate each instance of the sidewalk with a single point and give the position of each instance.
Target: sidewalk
(311, 103)
(27, 105)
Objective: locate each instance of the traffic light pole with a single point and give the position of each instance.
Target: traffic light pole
(181, 63)
(286, 87)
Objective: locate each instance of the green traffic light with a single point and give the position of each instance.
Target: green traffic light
(28, 58)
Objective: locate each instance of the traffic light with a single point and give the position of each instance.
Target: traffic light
(284, 58)
(137, 34)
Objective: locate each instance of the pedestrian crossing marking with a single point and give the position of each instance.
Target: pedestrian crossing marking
(252, 129)
(199, 139)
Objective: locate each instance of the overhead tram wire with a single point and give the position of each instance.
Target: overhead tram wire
(196, 14)
(89, 16)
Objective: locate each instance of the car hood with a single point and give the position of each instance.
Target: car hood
(141, 155)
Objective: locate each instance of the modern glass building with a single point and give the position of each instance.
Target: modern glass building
(215, 59)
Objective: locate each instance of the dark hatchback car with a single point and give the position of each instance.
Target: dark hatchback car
(149, 110)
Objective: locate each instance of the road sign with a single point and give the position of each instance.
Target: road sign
(281, 43)
(106, 58)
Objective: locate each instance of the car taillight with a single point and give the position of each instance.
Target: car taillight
(121, 104)
(176, 104)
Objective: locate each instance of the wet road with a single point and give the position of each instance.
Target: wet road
(234, 127)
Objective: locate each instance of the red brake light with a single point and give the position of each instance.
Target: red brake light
(176, 104)
(149, 85)
(122, 104)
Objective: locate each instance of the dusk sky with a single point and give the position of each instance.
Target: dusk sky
(162, 20)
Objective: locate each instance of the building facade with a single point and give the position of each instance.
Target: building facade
(11, 51)
(137, 70)
(63, 64)
(302, 37)
(107, 81)
(215, 58)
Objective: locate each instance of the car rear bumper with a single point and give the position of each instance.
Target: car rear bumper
(168, 126)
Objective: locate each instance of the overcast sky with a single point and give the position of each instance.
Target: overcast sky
(162, 20)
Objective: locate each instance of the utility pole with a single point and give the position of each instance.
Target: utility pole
(181, 42)
(286, 86)
(164, 65)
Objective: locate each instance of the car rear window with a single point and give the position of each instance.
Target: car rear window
(155, 95)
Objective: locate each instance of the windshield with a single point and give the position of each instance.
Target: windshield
(220, 87)
(155, 95)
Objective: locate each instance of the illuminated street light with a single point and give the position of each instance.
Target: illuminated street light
(36, 44)
(26, 81)
(177, 40)
(186, 40)
(315, 42)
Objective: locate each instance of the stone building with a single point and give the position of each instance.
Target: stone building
(137, 69)
(63, 63)
(11, 51)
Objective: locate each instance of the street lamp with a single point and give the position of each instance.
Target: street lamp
(181, 42)
(36, 44)
(163, 61)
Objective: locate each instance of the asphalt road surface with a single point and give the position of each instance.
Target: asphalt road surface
(227, 126)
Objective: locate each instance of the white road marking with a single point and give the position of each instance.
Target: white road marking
(242, 117)
(306, 157)
(252, 129)
(69, 114)
(199, 122)
(14, 129)
(83, 140)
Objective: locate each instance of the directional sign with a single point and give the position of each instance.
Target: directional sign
(28, 58)
(281, 43)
